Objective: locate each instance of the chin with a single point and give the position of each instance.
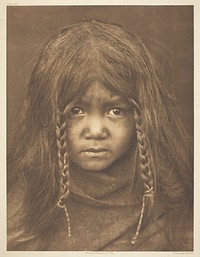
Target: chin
(95, 168)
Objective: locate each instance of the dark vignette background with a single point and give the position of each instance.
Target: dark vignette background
(29, 26)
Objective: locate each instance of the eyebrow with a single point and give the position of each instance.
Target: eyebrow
(115, 99)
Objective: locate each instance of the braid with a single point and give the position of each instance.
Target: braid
(144, 166)
(145, 170)
(63, 163)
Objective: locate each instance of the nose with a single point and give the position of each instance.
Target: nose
(95, 129)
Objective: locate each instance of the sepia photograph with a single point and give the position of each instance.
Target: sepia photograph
(100, 128)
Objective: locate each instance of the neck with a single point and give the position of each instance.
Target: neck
(109, 186)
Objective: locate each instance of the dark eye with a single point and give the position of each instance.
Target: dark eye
(116, 112)
(77, 111)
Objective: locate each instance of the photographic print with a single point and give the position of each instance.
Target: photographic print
(100, 128)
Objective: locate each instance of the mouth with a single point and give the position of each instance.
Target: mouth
(95, 152)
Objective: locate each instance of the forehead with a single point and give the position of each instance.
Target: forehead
(99, 92)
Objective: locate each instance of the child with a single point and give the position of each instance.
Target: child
(102, 161)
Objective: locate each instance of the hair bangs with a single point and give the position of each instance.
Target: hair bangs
(97, 59)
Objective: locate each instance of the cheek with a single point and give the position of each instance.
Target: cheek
(125, 136)
(73, 133)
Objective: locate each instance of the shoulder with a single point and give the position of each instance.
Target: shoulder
(16, 239)
(171, 230)
(15, 201)
(179, 228)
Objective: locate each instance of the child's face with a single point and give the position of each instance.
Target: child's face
(101, 128)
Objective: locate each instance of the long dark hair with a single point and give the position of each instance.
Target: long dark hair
(68, 63)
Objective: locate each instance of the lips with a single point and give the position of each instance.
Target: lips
(95, 152)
